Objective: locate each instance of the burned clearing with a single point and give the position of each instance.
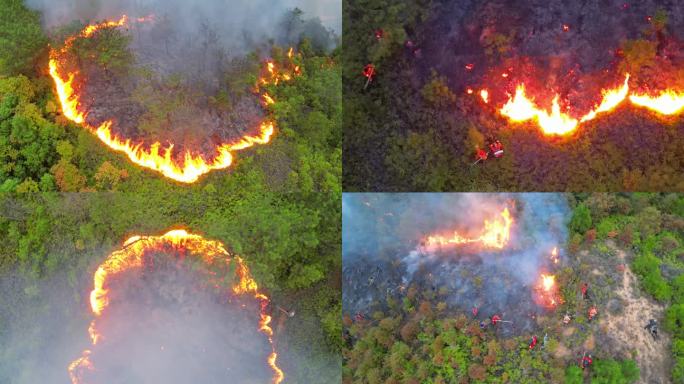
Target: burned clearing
(550, 305)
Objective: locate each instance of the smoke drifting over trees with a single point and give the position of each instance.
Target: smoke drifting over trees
(237, 23)
(385, 252)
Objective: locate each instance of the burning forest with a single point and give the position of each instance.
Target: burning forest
(497, 260)
(513, 94)
(490, 286)
(110, 106)
(148, 294)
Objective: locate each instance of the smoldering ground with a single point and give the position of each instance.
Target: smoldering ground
(161, 325)
(384, 251)
(189, 81)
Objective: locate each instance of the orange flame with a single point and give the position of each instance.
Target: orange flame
(548, 281)
(546, 292)
(131, 257)
(495, 235)
(520, 108)
(156, 157)
(667, 103)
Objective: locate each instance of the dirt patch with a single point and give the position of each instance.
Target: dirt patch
(627, 331)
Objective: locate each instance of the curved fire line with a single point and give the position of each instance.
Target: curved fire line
(520, 107)
(156, 157)
(130, 256)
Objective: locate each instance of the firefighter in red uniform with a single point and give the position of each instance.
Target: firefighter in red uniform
(368, 72)
(586, 361)
(533, 343)
(592, 312)
(481, 154)
(379, 33)
(496, 319)
(496, 148)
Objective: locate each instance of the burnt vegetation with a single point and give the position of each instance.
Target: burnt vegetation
(415, 127)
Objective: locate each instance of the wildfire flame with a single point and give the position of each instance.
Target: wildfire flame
(521, 108)
(667, 103)
(157, 157)
(131, 257)
(495, 234)
(547, 291)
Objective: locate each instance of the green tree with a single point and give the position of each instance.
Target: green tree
(674, 320)
(581, 219)
(573, 375)
(609, 371)
(21, 38)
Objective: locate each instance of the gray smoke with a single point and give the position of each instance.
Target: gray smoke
(161, 325)
(384, 250)
(232, 16)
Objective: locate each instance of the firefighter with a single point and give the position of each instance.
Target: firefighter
(368, 72)
(586, 361)
(652, 327)
(481, 154)
(566, 318)
(496, 319)
(592, 312)
(533, 343)
(496, 148)
(585, 291)
(379, 34)
(474, 310)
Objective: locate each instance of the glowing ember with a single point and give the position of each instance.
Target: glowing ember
(157, 157)
(131, 257)
(521, 108)
(667, 103)
(495, 234)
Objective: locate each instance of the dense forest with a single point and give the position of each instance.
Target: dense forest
(416, 125)
(277, 206)
(417, 337)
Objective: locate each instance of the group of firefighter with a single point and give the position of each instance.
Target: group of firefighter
(493, 147)
(586, 359)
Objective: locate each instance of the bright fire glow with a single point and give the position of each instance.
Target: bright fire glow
(554, 255)
(156, 156)
(666, 103)
(131, 257)
(495, 234)
(521, 108)
(546, 291)
(484, 94)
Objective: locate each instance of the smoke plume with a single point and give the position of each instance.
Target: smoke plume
(385, 250)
